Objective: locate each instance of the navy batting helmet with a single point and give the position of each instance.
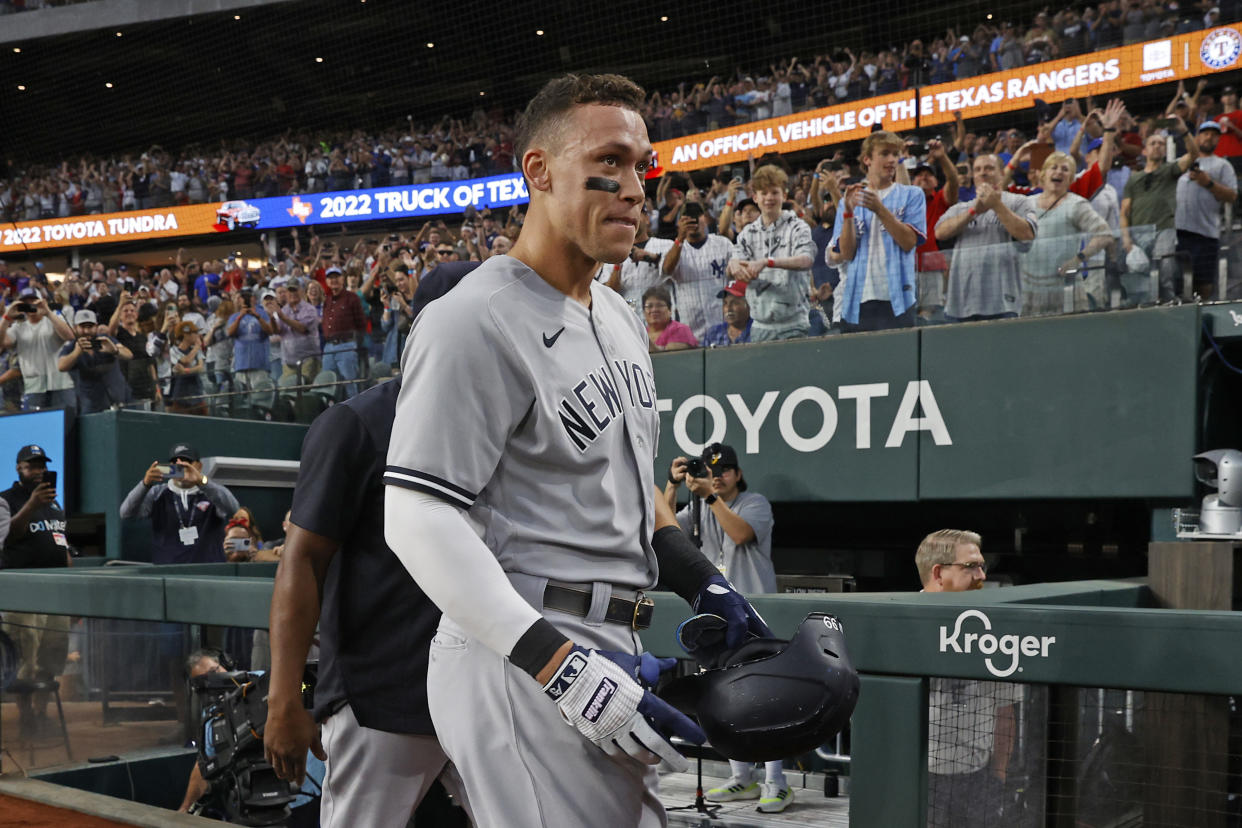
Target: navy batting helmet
(771, 699)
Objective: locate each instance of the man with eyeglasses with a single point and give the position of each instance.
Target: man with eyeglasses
(971, 725)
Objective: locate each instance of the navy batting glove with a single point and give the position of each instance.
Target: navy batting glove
(644, 669)
(718, 597)
(604, 700)
(666, 719)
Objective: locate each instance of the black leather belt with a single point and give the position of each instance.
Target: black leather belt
(577, 601)
(339, 340)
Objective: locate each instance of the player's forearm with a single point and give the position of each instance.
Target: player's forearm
(296, 597)
(455, 568)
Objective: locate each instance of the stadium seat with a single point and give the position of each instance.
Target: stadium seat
(287, 403)
(325, 390)
(263, 397)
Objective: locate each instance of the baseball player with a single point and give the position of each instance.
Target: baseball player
(374, 632)
(521, 494)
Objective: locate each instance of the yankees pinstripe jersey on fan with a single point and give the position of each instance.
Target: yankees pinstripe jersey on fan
(698, 277)
(538, 416)
(637, 277)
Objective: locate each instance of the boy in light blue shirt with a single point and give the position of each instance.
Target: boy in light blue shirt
(874, 241)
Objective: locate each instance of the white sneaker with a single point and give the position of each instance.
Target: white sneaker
(733, 789)
(775, 797)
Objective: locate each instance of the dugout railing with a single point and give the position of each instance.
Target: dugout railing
(1126, 710)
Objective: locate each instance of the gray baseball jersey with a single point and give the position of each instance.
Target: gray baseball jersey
(538, 416)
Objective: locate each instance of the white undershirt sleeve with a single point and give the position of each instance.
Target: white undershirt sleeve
(455, 568)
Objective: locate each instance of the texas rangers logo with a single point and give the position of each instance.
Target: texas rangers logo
(300, 210)
(1221, 48)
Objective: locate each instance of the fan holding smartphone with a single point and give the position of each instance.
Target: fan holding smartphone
(188, 513)
(35, 540)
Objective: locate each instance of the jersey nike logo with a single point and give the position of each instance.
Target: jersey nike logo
(549, 341)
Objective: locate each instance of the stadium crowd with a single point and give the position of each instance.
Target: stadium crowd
(1069, 208)
(450, 149)
(1077, 217)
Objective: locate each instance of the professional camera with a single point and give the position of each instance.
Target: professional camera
(1220, 513)
(230, 750)
(695, 467)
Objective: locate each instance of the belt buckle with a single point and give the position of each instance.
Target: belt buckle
(641, 602)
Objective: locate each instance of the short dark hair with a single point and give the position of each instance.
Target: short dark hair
(559, 95)
(658, 292)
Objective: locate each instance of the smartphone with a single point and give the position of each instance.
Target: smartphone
(1163, 123)
(1194, 167)
(49, 477)
(26, 307)
(170, 472)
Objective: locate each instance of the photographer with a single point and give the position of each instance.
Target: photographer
(91, 359)
(735, 535)
(396, 293)
(250, 328)
(35, 334)
(188, 514)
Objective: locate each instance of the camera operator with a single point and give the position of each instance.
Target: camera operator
(206, 661)
(91, 359)
(735, 534)
(35, 539)
(35, 334)
(188, 514)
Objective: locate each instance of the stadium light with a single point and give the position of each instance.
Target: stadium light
(431, 45)
(237, 17)
(17, 49)
(539, 32)
(21, 87)
(108, 84)
(664, 18)
(118, 34)
(318, 60)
